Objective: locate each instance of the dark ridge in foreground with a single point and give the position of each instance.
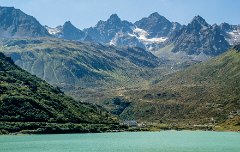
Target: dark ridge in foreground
(29, 103)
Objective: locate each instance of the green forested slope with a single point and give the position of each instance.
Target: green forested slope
(27, 99)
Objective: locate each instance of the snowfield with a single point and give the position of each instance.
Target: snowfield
(53, 31)
(142, 35)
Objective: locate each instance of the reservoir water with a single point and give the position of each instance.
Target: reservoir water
(165, 141)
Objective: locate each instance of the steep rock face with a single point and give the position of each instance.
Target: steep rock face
(15, 23)
(198, 37)
(105, 31)
(157, 25)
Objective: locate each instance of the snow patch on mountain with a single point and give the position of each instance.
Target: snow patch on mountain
(143, 35)
(113, 42)
(53, 31)
(234, 37)
(140, 33)
(137, 37)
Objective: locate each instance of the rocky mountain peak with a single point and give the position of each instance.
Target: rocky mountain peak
(199, 37)
(70, 32)
(67, 23)
(197, 24)
(155, 15)
(114, 18)
(199, 20)
(68, 26)
(156, 25)
(105, 31)
(15, 23)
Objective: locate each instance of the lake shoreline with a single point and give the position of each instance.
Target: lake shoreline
(122, 131)
(72, 128)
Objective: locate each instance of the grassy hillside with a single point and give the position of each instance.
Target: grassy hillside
(206, 95)
(84, 70)
(29, 104)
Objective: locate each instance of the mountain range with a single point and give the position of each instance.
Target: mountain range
(156, 32)
(198, 37)
(153, 33)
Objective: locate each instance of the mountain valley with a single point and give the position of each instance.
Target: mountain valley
(154, 71)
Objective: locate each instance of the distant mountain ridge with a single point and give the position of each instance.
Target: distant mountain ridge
(69, 32)
(147, 33)
(198, 37)
(104, 31)
(155, 32)
(15, 23)
(151, 33)
(157, 25)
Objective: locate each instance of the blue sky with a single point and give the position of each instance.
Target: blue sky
(86, 13)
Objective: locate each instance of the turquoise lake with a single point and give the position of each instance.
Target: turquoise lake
(165, 141)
